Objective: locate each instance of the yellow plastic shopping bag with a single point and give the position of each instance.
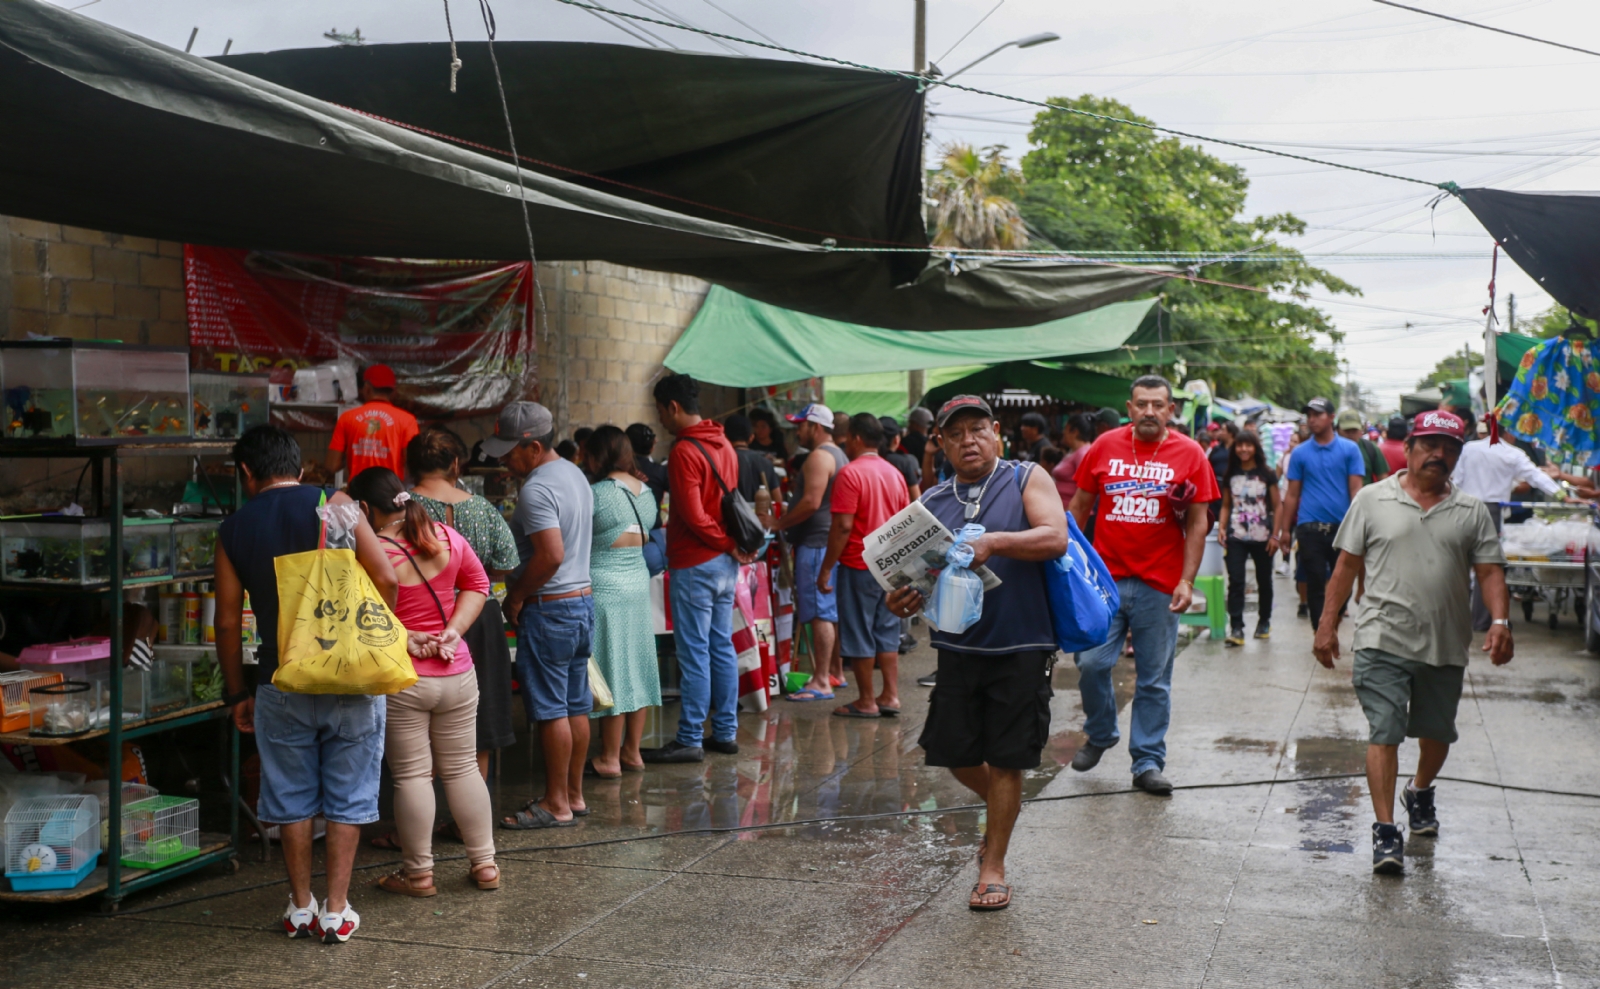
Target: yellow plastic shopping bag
(335, 634)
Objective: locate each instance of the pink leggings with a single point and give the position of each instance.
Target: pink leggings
(433, 728)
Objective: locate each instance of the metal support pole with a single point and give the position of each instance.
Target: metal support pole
(919, 46)
(114, 735)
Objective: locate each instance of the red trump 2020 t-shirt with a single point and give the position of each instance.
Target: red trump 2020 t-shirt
(1135, 530)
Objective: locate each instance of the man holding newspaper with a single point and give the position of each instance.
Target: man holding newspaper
(990, 712)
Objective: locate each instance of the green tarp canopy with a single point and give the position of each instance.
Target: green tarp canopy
(742, 343)
(1051, 379)
(886, 393)
(751, 173)
(1509, 348)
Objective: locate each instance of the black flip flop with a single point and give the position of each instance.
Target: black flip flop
(534, 818)
(593, 773)
(851, 711)
(981, 889)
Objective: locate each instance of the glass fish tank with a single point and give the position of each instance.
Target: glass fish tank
(225, 405)
(60, 550)
(194, 546)
(146, 549)
(95, 393)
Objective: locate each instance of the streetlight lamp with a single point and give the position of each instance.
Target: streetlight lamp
(1032, 40)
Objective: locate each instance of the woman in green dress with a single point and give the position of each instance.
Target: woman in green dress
(624, 634)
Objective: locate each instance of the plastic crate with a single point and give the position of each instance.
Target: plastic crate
(16, 709)
(160, 831)
(52, 842)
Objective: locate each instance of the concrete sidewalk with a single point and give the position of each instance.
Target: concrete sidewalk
(1251, 874)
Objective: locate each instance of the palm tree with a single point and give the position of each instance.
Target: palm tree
(970, 208)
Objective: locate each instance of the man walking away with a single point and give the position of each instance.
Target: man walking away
(374, 433)
(989, 716)
(865, 494)
(1418, 537)
(806, 524)
(1324, 475)
(1034, 441)
(1393, 444)
(1153, 552)
(321, 754)
(550, 602)
(704, 565)
(1372, 458)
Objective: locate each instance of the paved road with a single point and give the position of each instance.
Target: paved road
(1255, 873)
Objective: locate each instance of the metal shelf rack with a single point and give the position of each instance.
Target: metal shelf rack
(111, 880)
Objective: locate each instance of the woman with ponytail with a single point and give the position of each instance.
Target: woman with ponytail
(432, 726)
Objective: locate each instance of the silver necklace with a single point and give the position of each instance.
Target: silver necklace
(970, 509)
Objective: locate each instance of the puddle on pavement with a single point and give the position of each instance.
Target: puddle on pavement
(1328, 755)
(1236, 743)
(1329, 812)
(1558, 690)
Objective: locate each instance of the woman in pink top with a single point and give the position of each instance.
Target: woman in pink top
(432, 726)
(1075, 438)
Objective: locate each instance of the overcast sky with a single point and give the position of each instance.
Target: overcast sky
(1348, 80)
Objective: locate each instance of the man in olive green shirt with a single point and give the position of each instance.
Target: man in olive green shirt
(1418, 538)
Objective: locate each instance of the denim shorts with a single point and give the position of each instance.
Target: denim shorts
(811, 604)
(320, 754)
(866, 625)
(553, 648)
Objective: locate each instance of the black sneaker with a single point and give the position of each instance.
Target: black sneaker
(1304, 611)
(1087, 757)
(1263, 629)
(926, 681)
(730, 747)
(1388, 850)
(1235, 637)
(674, 751)
(1151, 781)
(1419, 807)
(907, 643)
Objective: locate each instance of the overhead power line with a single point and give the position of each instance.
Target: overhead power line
(1486, 27)
(922, 81)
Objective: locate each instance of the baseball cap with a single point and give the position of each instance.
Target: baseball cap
(890, 427)
(815, 412)
(1111, 417)
(1349, 419)
(920, 416)
(518, 422)
(379, 376)
(1439, 423)
(962, 403)
(1318, 405)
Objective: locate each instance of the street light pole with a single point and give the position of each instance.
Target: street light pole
(1043, 38)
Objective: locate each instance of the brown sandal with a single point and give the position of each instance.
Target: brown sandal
(404, 885)
(476, 872)
(975, 900)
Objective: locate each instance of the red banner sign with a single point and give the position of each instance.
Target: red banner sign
(459, 334)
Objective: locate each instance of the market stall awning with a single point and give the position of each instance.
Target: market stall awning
(742, 343)
(1553, 236)
(1509, 348)
(885, 393)
(764, 176)
(1051, 379)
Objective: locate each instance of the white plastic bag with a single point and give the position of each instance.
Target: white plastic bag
(957, 600)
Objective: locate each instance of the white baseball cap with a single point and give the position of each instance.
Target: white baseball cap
(815, 412)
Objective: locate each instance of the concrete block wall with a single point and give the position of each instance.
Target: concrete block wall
(65, 281)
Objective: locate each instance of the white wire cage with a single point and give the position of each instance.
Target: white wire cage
(52, 842)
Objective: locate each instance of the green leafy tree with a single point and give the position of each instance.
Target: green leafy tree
(972, 191)
(1095, 185)
(1553, 322)
(1453, 368)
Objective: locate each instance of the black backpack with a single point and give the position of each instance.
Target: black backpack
(738, 515)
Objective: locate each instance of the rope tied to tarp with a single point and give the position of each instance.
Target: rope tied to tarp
(455, 60)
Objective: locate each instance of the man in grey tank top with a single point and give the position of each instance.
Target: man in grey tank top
(805, 524)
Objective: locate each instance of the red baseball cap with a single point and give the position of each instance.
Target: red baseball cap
(1439, 423)
(379, 376)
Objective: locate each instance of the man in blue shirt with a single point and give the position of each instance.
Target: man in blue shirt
(1324, 476)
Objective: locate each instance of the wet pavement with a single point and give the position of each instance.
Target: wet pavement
(1256, 872)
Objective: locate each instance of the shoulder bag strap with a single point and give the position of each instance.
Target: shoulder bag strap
(425, 582)
(710, 463)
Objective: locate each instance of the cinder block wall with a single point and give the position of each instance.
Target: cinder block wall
(87, 284)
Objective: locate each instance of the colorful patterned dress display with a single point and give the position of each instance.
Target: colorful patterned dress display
(1552, 402)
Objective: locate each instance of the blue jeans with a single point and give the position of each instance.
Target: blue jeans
(1145, 612)
(553, 648)
(708, 668)
(320, 754)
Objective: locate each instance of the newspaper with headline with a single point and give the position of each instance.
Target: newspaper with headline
(908, 551)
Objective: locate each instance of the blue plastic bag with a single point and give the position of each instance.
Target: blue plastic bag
(957, 600)
(1082, 594)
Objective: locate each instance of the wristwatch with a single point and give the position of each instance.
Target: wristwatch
(1501, 621)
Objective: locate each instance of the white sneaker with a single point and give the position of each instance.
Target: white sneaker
(298, 921)
(336, 928)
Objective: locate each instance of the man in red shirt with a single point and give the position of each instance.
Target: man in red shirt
(866, 492)
(374, 433)
(1393, 445)
(704, 565)
(1153, 484)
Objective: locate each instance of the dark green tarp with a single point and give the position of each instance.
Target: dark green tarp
(107, 130)
(1553, 236)
(1050, 379)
